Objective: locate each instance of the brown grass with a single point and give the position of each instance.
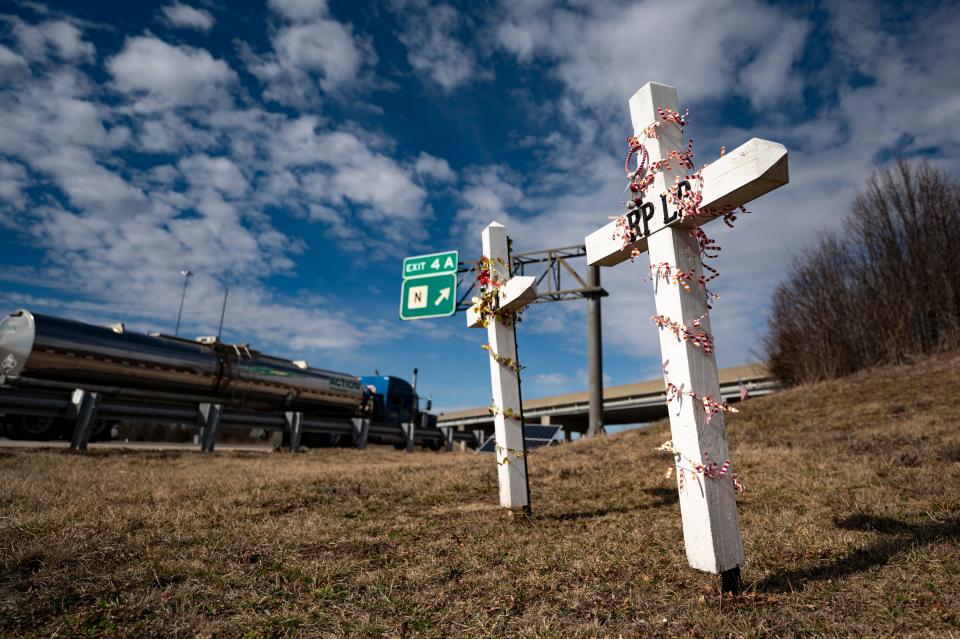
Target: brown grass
(851, 523)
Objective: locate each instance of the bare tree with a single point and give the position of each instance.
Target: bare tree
(886, 288)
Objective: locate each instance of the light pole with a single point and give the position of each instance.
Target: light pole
(223, 311)
(186, 280)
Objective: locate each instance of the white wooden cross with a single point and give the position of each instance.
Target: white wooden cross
(512, 295)
(711, 527)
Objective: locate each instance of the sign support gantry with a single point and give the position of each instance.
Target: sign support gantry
(553, 272)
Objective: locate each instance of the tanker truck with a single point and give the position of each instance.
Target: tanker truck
(57, 374)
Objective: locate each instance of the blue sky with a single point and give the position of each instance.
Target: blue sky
(297, 150)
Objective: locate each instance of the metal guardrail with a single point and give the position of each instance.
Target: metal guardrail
(61, 403)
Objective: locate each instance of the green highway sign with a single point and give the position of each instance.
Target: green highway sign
(432, 264)
(429, 286)
(429, 296)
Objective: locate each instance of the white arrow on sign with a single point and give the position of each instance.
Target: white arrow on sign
(444, 295)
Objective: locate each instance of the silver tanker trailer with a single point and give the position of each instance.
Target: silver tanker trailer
(59, 376)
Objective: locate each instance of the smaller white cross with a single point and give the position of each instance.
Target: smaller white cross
(512, 295)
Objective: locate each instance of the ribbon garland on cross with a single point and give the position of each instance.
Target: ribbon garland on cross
(664, 177)
(496, 307)
(686, 200)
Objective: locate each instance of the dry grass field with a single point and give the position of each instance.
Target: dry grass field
(851, 523)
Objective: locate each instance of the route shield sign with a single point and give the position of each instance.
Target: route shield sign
(432, 264)
(428, 296)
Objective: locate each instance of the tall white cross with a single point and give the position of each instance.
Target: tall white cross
(511, 295)
(711, 527)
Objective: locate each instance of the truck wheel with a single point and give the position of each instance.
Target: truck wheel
(315, 440)
(102, 431)
(27, 427)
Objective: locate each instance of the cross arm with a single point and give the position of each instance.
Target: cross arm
(749, 171)
(518, 292)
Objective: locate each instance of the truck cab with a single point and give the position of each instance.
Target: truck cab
(395, 406)
(394, 401)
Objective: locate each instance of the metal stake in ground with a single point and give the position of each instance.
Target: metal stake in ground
(512, 295)
(711, 527)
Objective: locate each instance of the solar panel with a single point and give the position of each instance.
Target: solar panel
(537, 443)
(489, 446)
(534, 436)
(536, 431)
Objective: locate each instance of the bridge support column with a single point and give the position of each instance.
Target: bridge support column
(448, 439)
(85, 404)
(210, 415)
(594, 355)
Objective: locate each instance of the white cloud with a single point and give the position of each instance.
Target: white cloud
(52, 125)
(312, 54)
(53, 37)
(203, 171)
(487, 197)
(551, 380)
(160, 75)
(88, 184)
(351, 186)
(434, 168)
(183, 15)
(603, 51)
(324, 47)
(767, 76)
(304, 10)
(430, 34)
(13, 179)
(167, 132)
(12, 65)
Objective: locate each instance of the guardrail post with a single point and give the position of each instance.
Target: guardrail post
(408, 432)
(424, 422)
(210, 423)
(361, 430)
(294, 425)
(86, 405)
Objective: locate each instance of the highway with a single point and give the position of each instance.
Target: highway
(626, 404)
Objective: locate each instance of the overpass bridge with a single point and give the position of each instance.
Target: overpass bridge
(626, 404)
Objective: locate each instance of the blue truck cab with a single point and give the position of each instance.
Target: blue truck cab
(394, 401)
